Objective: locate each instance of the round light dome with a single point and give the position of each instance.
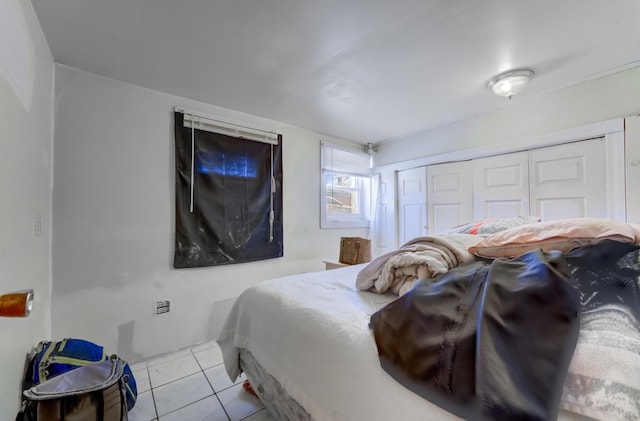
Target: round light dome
(510, 83)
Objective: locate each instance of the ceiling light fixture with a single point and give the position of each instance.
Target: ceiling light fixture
(510, 83)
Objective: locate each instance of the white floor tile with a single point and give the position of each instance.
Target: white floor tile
(263, 415)
(179, 393)
(238, 403)
(138, 365)
(173, 369)
(219, 379)
(203, 346)
(141, 375)
(168, 357)
(209, 357)
(182, 389)
(144, 409)
(207, 409)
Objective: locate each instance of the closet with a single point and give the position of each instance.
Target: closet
(555, 182)
(569, 180)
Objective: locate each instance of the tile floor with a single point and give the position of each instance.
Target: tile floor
(192, 385)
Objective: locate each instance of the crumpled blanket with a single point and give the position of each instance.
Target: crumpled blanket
(420, 258)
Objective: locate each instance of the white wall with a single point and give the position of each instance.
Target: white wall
(632, 151)
(612, 96)
(26, 102)
(113, 220)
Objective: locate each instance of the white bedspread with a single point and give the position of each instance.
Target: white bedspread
(310, 332)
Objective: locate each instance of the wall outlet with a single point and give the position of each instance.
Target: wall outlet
(162, 307)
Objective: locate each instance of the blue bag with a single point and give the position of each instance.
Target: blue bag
(54, 358)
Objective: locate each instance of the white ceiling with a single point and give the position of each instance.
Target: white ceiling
(363, 70)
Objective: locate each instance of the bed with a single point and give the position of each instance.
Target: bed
(305, 342)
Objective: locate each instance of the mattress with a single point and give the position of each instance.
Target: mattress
(309, 333)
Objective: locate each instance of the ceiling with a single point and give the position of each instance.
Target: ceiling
(361, 70)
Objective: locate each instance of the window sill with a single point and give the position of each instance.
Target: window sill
(357, 223)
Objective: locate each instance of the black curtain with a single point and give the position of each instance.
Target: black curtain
(229, 218)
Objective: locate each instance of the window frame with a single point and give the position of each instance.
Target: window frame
(359, 220)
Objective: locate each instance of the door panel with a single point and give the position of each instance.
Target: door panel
(504, 208)
(562, 208)
(413, 221)
(447, 216)
(384, 226)
(412, 204)
(569, 181)
(501, 186)
(450, 197)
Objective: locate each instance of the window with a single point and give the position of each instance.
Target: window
(228, 196)
(345, 187)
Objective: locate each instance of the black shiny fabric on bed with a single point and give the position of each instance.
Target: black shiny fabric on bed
(488, 340)
(607, 272)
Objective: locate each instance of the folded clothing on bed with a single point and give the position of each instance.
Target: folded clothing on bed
(420, 258)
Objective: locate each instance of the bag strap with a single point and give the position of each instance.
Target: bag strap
(25, 413)
(44, 361)
(123, 400)
(100, 405)
(62, 344)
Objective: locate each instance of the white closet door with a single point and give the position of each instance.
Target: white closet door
(450, 195)
(569, 181)
(501, 186)
(412, 204)
(384, 228)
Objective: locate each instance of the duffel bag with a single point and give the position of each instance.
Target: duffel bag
(88, 393)
(52, 358)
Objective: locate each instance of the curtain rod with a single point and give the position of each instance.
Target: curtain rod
(215, 119)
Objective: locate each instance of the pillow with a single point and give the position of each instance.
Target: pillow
(468, 228)
(491, 225)
(563, 235)
(497, 225)
(636, 228)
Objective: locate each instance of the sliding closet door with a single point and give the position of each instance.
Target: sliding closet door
(569, 181)
(384, 227)
(501, 186)
(412, 204)
(450, 195)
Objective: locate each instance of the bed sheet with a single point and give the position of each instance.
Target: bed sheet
(310, 332)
